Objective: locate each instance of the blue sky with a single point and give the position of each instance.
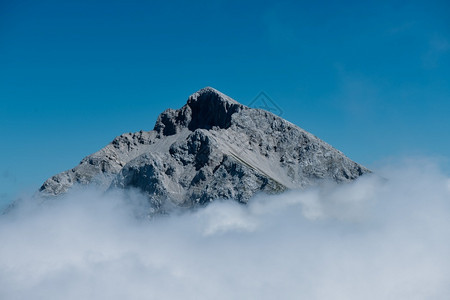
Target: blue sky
(371, 79)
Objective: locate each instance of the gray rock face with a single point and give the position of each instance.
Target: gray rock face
(213, 147)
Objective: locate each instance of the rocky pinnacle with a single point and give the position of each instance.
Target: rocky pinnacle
(211, 148)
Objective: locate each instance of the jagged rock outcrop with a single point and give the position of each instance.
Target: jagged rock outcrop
(213, 147)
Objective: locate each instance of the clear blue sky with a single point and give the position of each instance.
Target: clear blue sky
(370, 78)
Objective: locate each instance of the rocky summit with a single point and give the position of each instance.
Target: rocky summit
(211, 148)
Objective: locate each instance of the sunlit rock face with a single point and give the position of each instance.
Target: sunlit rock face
(211, 148)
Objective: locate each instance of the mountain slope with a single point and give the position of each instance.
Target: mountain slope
(213, 147)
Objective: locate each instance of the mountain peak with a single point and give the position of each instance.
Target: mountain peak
(211, 148)
(211, 95)
(205, 109)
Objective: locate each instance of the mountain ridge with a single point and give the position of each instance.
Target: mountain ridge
(212, 147)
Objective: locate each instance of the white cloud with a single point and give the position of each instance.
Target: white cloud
(372, 239)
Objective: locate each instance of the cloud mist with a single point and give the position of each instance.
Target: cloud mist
(381, 237)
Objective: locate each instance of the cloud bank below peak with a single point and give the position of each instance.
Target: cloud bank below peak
(370, 239)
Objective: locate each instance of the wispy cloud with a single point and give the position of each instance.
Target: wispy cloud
(373, 239)
(8, 175)
(438, 46)
(356, 94)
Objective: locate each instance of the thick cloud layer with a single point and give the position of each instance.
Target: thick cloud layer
(378, 238)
